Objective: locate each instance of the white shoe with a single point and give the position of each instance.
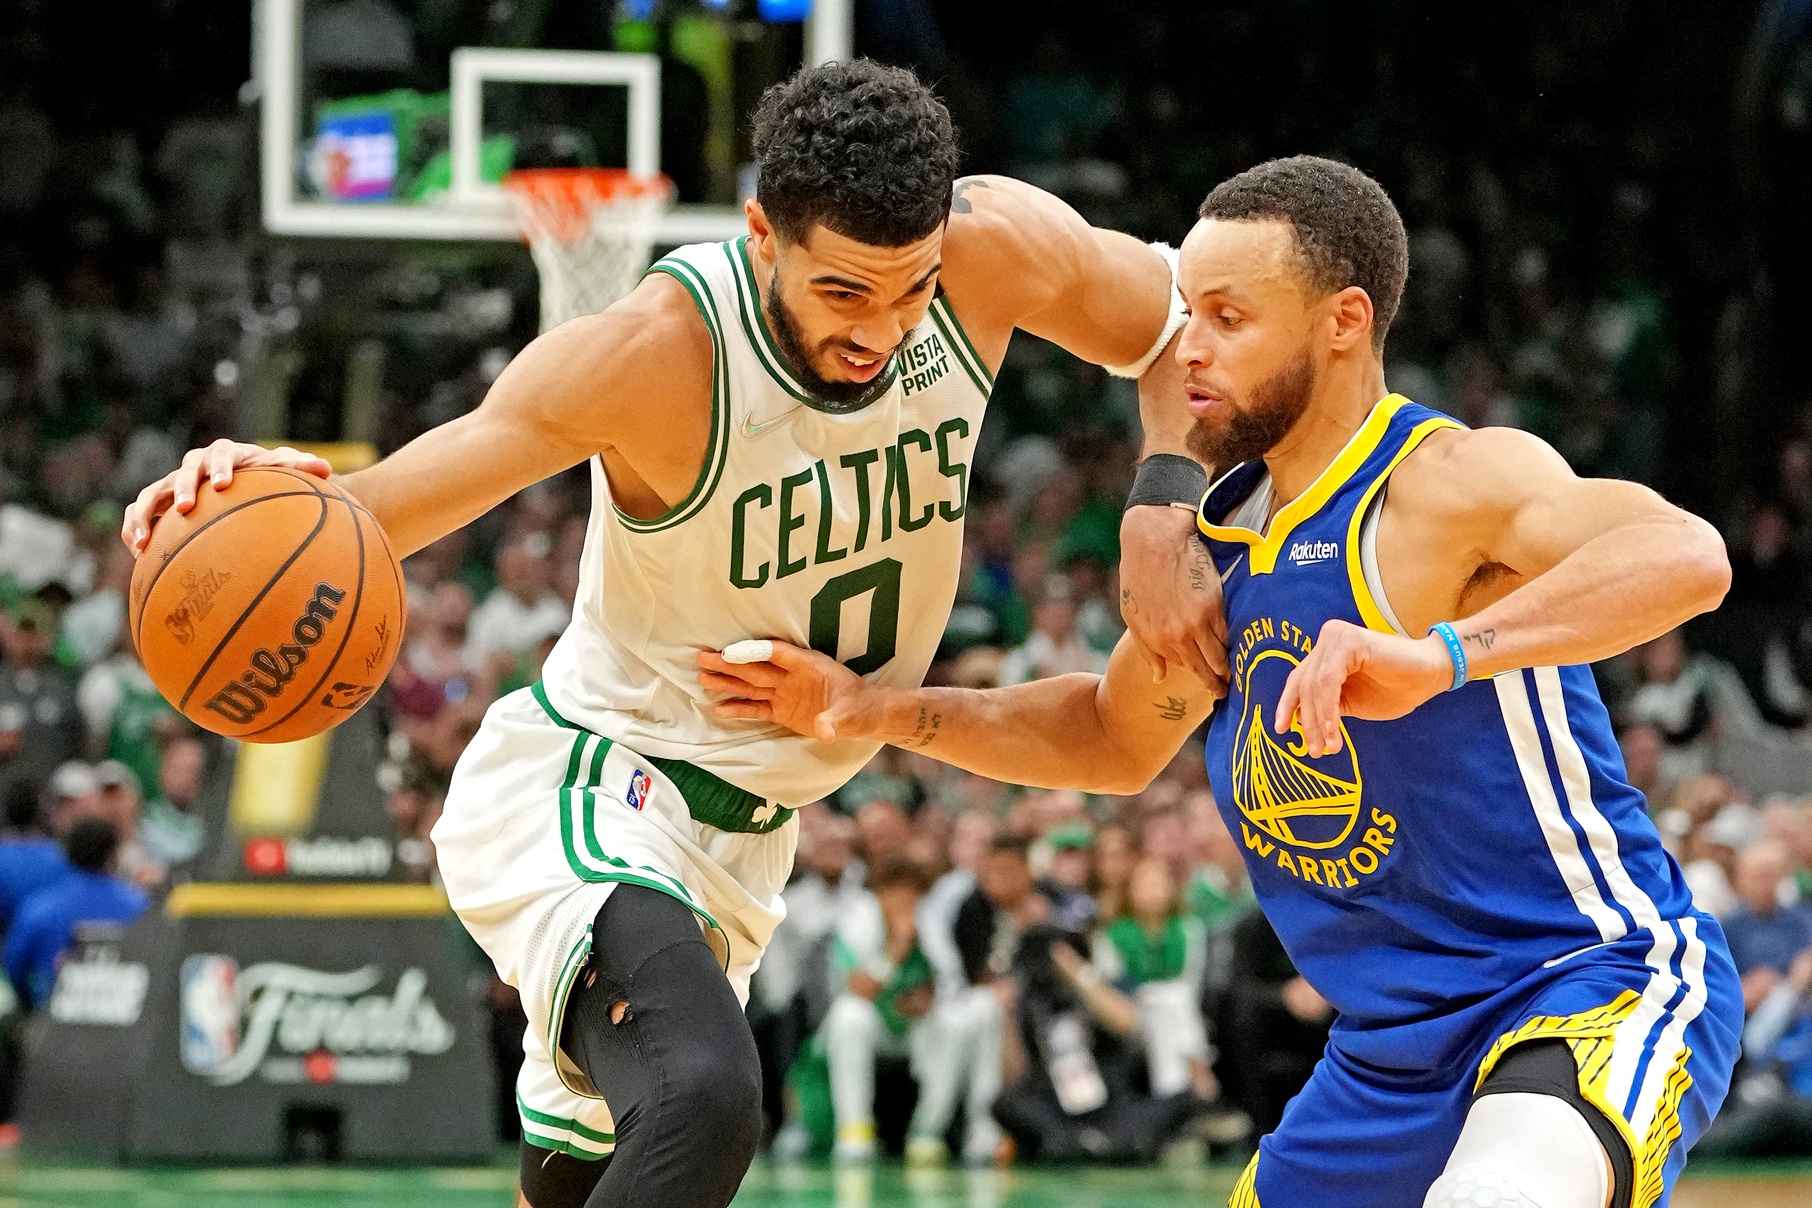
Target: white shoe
(855, 1143)
(926, 1151)
(792, 1142)
(981, 1147)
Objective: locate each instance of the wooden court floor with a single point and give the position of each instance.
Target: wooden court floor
(25, 1185)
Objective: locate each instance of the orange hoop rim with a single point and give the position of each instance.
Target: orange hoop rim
(589, 184)
(559, 202)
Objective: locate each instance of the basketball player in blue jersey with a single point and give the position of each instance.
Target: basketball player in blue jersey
(1433, 808)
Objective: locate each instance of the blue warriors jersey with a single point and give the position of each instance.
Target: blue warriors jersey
(1446, 879)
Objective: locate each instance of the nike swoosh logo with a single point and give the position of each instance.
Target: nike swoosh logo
(1569, 956)
(751, 428)
(1232, 566)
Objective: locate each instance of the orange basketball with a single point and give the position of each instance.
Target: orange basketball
(272, 610)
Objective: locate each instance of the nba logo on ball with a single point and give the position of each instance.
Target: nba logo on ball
(210, 1012)
(640, 785)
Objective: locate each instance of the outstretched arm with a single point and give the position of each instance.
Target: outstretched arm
(1017, 256)
(611, 382)
(1591, 568)
(1108, 733)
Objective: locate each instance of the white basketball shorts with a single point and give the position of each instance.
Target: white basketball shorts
(543, 820)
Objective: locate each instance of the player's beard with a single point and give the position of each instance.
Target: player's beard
(836, 397)
(1254, 430)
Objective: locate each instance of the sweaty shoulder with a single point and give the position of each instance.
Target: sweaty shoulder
(1008, 250)
(619, 376)
(1444, 547)
(1472, 473)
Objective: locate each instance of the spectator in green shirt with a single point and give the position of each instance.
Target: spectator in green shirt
(1219, 893)
(882, 988)
(1155, 955)
(127, 718)
(1799, 843)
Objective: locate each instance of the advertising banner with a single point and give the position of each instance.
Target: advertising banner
(354, 1033)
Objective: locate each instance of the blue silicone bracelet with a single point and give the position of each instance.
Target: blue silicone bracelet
(1454, 651)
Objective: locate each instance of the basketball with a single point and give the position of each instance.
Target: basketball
(272, 610)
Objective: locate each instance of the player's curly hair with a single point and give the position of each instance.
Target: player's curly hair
(864, 148)
(1347, 230)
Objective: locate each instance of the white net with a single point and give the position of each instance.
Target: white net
(591, 232)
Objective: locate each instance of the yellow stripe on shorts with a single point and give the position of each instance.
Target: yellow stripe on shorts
(1591, 1036)
(1245, 1192)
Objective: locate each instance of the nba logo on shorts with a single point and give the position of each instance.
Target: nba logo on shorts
(210, 1012)
(640, 785)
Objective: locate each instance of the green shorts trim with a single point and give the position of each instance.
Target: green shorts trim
(710, 800)
(543, 1130)
(592, 864)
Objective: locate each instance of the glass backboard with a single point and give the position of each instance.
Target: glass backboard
(395, 119)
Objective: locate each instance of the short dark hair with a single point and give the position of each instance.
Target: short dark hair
(899, 872)
(1011, 845)
(91, 844)
(864, 148)
(21, 806)
(1347, 230)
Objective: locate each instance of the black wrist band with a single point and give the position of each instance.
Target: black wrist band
(1165, 479)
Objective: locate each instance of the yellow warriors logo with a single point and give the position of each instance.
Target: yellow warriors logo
(1300, 812)
(1275, 785)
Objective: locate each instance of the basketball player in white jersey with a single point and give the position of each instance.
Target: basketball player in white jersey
(781, 432)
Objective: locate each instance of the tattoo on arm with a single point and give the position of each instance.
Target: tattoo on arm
(1127, 605)
(960, 204)
(925, 731)
(1172, 708)
(1200, 563)
(1484, 637)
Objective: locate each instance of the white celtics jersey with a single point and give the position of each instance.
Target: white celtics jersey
(842, 533)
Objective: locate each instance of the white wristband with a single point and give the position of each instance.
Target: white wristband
(1173, 323)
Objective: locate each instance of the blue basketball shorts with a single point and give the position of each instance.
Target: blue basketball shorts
(1654, 1042)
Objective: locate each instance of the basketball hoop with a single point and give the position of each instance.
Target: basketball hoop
(591, 232)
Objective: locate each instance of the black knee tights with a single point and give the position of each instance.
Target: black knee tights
(1546, 1067)
(679, 1072)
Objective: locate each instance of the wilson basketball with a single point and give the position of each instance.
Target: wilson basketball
(272, 610)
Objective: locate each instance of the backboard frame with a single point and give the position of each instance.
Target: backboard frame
(475, 66)
(471, 209)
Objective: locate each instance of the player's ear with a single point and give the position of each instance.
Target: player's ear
(762, 238)
(1352, 315)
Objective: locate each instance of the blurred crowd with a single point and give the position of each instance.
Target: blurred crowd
(1025, 972)
(1727, 790)
(967, 968)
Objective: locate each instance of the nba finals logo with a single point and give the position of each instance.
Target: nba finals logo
(640, 786)
(289, 1024)
(210, 1012)
(1303, 813)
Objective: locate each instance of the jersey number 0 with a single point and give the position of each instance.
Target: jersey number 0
(883, 579)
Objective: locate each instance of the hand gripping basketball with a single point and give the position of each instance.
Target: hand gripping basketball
(181, 487)
(269, 610)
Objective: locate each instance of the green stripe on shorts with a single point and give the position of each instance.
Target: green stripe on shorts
(531, 1116)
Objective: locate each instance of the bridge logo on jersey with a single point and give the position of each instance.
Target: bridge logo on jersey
(1296, 799)
(1302, 814)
